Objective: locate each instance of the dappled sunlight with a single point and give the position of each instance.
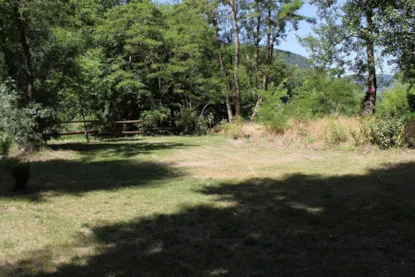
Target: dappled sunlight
(311, 210)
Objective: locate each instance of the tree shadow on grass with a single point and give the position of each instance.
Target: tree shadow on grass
(78, 177)
(123, 150)
(300, 225)
(85, 174)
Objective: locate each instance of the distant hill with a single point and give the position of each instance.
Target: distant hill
(294, 59)
(291, 58)
(384, 81)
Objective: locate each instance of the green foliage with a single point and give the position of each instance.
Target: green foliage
(272, 112)
(396, 101)
(204, 124)
(336, 134)
(388, 132)
(320, 94)
(362, 136)
(185, 119)
(191, 123)
(154, 118)
(17, 123)
(113, 60)
(5, 144)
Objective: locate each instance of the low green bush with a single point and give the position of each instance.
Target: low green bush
(388, 132)
(191, 122)
(272, 113)
(234, 129)
(336, 134)
(154, 118)
(16, 121)
(5, 144)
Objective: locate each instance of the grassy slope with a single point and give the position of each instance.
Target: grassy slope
(202, 206)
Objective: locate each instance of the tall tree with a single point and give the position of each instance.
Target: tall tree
(218, 45)
(234, 7)
(398, 33)
(273, 19)
(351, 42)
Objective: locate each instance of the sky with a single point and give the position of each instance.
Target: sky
(291, 43)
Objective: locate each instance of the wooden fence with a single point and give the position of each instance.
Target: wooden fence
(88, 125)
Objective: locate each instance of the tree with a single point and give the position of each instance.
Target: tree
(356, 33)
(398, 20)
(269, 20)
(234, 7)
(367, 29)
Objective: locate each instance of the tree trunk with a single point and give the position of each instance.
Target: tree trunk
(222, 68)
(26, 51)
(233, 5)
(257, 40)
(229, 109)
(268, 55)
(85, 125)
(370, 99)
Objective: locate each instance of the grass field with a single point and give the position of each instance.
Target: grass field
(205, 206)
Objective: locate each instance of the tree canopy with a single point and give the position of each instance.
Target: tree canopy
(112, 60)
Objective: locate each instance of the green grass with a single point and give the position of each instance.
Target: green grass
(203, 206)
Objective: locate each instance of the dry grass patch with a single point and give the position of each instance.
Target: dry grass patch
(315, 134)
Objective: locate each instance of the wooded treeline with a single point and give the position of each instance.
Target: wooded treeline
(195, 63)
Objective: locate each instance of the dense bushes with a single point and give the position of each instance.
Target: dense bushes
(17, 123)
(388, 132)
(19, 127)
(321, 96)
(316, 95)
(397, 101)
(190, 122)
(389, 128)
(273, 111)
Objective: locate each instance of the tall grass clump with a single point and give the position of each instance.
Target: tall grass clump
(234, 129)
(336, 134)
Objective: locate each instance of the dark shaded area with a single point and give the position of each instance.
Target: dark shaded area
(85, 175)
(77, 177)
(124, 150)
(299, 226)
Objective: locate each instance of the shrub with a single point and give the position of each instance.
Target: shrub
(234, 129)
(361, 137)
(388, 132)
(336, 134)
(185, 119)
(16, 122)
(204, 124)
(272, 113)
(320, 94)
(154, 118)
(191, 123)
(5, 144)
(395, 101)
